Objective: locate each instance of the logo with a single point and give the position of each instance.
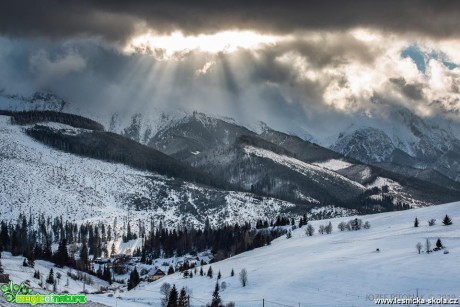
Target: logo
(21, 294)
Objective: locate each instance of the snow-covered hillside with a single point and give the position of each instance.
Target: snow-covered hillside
(38, 179)
(306, 169)
(339, 269)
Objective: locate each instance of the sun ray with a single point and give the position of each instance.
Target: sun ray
(176, 43)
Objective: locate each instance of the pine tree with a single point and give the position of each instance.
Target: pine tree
(183, 299)
(172, 301)
(24, 263)
(201, 271)
(170, 270)
(50, 278)
(439, 243)
(209, 274)
(113, 250)
(84, 255)
(134, 279)
(232, 273)
(4, 236)
(31, 260)
(416, 222)
(447, 221)
(47, 253)
(219, 275)
(61, 257)
(107, 276)
(216, 300)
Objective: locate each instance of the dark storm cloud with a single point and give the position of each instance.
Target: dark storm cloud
(118, 19)
(411, 91)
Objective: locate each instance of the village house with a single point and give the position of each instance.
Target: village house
(155, 276)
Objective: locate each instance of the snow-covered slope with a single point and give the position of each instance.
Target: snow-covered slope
(38, 179)
(306, 169)
(18, 273)
(334, 164)
(339, 269)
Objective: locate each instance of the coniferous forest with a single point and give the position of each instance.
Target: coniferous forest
(77, 244)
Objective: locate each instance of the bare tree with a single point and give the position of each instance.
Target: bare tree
(367, 225)
(165, 289)
(310, 230)
(419, 247)
(428, 245)
(244, 277)
(328, 228)
(431, 222)
(321, 229)
(355, 224)
(342, 226)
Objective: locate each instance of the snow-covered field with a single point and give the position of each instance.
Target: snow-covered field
(339, 269)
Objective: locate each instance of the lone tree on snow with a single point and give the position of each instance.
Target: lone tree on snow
(310, 230)
(439, 243)
(209, 272)
(431, 222)
(342, 226)
(244, 277)
(428, 245)
(321, 229)
(447, 221)
(419, 247)
(50, 278)
(416, 222)
(328, 228)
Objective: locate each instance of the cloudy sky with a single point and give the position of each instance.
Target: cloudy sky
(312, 65)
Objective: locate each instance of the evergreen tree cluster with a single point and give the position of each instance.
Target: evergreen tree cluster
(223, 241)
(176, 299)
(33, 239)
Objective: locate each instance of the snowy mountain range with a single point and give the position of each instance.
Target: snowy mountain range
(404, 142)
(183, 166)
